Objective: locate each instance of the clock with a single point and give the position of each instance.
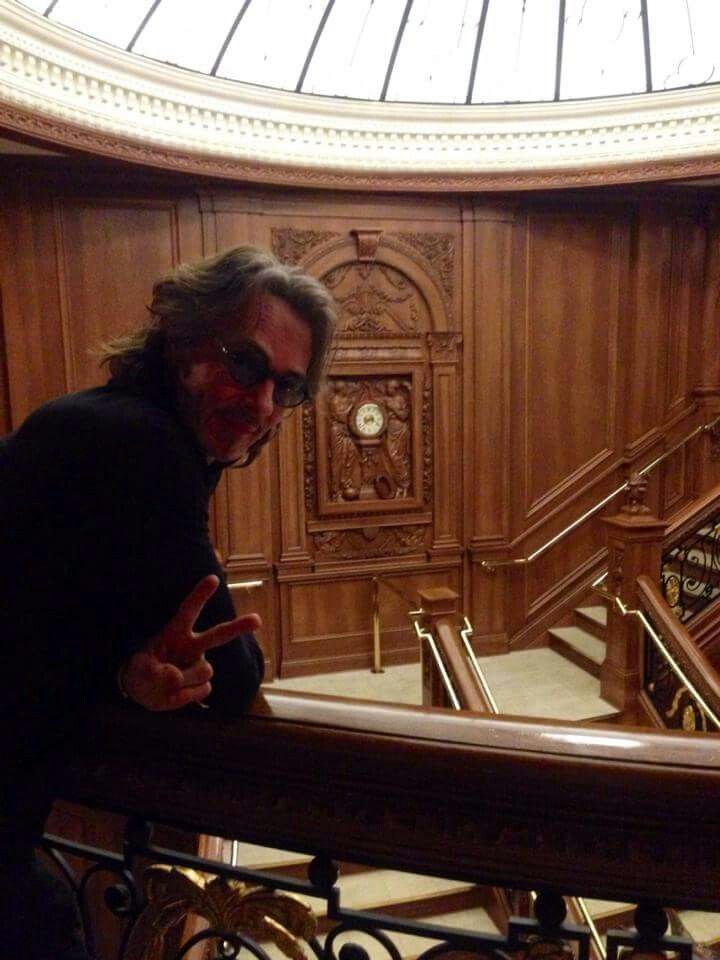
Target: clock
(368, 420)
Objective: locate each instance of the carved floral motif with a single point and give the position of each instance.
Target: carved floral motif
(229, 905)
(427, 441)
(368, 542)
(439, 251)
(361, 471)
(444, 346)
(309, 464)
(374, 300)
(291, 246)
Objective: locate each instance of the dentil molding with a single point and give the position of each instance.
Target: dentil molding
(69, 90)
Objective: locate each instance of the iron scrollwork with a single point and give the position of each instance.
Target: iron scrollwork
(690, 576)
(246, 910)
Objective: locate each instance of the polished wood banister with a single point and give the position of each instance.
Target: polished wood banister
(691, 516)
(617, 814)
(690, 657)
(465, 681)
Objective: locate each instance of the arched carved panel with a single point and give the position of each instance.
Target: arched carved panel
(376, 300)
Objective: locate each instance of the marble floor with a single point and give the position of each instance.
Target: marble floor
(528, 683)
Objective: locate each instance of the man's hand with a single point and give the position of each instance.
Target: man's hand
(172, 671)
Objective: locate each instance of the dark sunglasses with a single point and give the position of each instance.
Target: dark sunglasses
(248, 366)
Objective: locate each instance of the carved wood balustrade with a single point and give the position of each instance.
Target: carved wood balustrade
(616, 814)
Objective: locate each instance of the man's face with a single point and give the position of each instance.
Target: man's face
(228, 418)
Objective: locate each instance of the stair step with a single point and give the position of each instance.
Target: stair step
(379, 888)
(702, 927)
(596, 613)
(578, 646)
(592, 618)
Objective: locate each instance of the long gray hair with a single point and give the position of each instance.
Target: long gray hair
(190, 303)
(194, 299)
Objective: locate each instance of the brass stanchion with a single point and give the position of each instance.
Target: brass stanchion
(377, 655)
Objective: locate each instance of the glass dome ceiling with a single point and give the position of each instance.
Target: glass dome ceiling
(419, 51)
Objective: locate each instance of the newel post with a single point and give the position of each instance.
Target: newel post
(635, 538)
(438, 604)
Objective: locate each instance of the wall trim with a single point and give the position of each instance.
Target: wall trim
(65, 89)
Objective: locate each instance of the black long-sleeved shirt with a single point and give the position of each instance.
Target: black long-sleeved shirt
(104, 497)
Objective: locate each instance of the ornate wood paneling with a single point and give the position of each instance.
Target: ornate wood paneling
(513, 358)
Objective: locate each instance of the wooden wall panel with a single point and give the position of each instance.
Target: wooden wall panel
(337, 614)
(570, 331)
(109, 253)
(648, 311)
(30, 297)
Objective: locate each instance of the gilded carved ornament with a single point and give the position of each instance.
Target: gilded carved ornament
(172, 893)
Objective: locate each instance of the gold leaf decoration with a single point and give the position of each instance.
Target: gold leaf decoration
(263, 915)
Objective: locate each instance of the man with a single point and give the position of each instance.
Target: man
(110, 585)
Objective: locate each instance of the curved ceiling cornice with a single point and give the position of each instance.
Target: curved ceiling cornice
(68, 90)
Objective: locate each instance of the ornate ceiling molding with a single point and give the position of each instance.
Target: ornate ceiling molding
(68, 90)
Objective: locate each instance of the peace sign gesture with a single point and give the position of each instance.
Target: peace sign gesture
(172, 671)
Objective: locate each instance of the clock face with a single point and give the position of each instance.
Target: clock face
(368, 419)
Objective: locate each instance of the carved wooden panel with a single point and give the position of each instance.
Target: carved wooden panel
(360, 471)
(375, 299)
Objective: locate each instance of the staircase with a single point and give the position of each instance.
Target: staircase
(583, 641)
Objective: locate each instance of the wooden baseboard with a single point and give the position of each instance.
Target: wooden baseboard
(353, 661)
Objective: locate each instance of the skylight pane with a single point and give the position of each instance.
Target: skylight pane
(352, 56)
(114, 21)
(435, 56)
(272, 42)
(39, 6)
(603, 53)
(518, 52)
(186, 33)
(684, 42)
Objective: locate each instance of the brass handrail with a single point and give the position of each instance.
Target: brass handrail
(491, 565)
(447, 682)
(664, 652)
(466, 633)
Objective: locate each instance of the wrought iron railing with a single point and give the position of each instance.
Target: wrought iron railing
(607, 813)
(679, 680)
(690, 575)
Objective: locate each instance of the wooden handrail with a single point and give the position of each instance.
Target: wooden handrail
(691, 517)
(690, 658)
(612, 813)
(464, 680)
